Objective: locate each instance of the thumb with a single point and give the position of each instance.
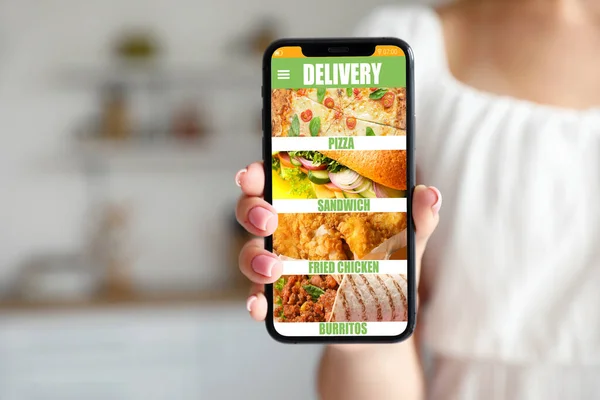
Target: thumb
(426, 203)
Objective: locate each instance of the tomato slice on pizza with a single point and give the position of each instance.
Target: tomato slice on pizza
(386, 106)
(323, 96)
(296, 114)
(339, 112)
(351, 126)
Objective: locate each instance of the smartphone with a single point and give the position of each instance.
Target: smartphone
(338, 151)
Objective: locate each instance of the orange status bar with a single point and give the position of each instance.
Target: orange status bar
(296, 52)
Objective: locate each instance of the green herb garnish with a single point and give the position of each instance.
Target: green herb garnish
(295, 127)
(299, 182)
(275, 164)
(279, 284)
(321, 94)
(314, 291)
(349, 92)
(378, 94)
(315, 126)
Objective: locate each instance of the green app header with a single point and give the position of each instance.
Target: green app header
(333, 72)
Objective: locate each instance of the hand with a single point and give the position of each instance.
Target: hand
(260, 218)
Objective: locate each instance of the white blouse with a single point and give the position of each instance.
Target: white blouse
(515, 261)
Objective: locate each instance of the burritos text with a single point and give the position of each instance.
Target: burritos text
(343, 328)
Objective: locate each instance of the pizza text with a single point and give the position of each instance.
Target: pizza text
(341, 143)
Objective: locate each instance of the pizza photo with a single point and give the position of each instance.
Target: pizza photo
(338, 112)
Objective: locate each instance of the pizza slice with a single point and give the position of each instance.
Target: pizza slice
(327, 97)
(295, 114)
(386, 106)
(338, 112)
(348, 125)
(347, 96)
(281, 109)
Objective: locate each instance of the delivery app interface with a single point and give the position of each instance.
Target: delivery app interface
(339, 186)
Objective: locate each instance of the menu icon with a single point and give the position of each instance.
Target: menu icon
(283, 74)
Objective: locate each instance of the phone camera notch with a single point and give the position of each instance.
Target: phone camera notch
(338, 50)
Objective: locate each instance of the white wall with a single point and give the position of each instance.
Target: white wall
(43, 207)
(180, 220)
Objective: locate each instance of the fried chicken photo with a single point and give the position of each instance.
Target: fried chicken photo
(335, 236)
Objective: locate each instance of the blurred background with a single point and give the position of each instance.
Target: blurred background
(123, 123)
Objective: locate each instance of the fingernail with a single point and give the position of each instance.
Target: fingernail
(264, 265)
(438, 204)
(239, 175)
(250, 301)
(259, 217)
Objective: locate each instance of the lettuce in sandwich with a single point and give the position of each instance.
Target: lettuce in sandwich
(312, 174)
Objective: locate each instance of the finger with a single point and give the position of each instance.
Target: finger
(251, 179)
(256, 288)
(426, 206)
(259, 265)
(256, 215)
(257, 306)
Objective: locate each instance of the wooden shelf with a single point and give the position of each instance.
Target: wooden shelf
(214, 152)
(224, 77)
(233, 295)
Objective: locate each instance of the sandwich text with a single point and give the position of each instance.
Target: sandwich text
(343, 205)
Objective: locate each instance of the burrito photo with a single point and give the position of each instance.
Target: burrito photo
(340, 298)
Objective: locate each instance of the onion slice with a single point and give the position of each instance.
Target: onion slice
(347, 180)
(366, 185)
(384, 192)
(310, 165)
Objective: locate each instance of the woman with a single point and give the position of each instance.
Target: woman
(508, 127)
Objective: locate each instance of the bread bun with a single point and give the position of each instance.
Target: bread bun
(386, 167)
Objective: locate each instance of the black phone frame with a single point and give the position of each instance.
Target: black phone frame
(320, 47)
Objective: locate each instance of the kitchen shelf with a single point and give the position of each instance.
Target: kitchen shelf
(139, 300)
(246, 77)
(206, 153)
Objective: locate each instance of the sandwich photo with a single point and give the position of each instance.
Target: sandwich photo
(338, 236)
(340, 298)
(339, 174)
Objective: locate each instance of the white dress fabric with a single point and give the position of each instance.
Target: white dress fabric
(515, 261)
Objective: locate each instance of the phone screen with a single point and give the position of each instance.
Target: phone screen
(339, 183)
